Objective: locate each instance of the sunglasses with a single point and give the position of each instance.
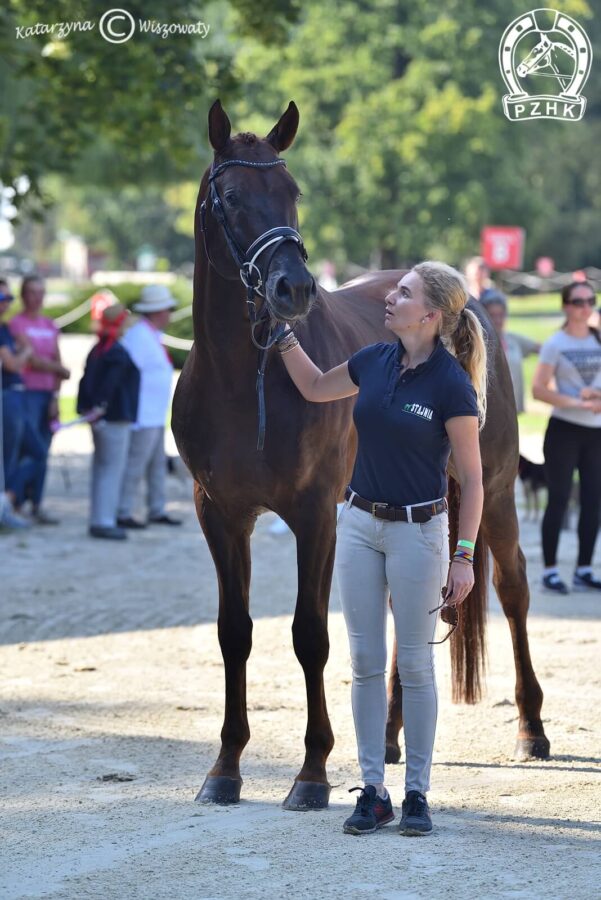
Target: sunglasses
(581, 301)
(449, 614)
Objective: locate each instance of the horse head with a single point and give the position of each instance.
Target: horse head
(537, 59)
(251, 200)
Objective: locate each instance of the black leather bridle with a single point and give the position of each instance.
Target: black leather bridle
(253, 277)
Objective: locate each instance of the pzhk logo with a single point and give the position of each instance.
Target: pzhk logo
(548, 45)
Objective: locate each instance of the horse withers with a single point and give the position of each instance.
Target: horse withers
(252, 444)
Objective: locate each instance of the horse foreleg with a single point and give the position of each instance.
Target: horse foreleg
(500, 528)
(229, 543)
(394, 722)
(315, 555)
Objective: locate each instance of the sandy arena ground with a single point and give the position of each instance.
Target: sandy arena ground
(111, 707)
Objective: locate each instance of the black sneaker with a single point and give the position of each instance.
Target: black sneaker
(554, 584)
(586, 582)
(130, 522)
(371, 812)
(415, 818)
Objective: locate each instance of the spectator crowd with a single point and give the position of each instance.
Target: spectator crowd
(124, 393)
(126, 388)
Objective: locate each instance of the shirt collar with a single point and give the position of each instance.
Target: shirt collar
(427, 363)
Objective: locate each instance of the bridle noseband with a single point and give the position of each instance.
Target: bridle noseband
(251, 275)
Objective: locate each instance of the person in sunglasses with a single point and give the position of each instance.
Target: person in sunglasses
(571, 358)
(416, 402)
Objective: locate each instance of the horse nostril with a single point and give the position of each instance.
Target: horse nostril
(282, 288)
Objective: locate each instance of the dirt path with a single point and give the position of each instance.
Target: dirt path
(111, 708)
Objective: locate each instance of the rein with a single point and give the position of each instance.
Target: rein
(250, 273)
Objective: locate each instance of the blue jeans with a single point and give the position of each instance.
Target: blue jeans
(23, 451)
(37, 404)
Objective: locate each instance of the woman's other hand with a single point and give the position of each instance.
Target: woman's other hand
(459, 583)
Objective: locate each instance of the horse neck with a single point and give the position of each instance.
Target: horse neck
(221, 329)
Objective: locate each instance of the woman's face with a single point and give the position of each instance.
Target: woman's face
(579, 312)
(33, 296)
(497, 315)
(406, 306)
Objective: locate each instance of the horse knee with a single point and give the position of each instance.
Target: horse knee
(310, 640)
(235, 636)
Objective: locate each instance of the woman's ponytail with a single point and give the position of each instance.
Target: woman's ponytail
(469, 345)
(461, 331)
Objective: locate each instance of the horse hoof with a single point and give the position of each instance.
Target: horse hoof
(306, 795)
(220, 789)
(393, 754)
(532, 748)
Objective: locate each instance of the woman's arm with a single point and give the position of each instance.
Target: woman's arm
(465, 447)
(315, 385)
(15, 362)
(541, 391)
(40, 364)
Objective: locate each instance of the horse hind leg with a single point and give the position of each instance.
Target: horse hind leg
(500, 529)
(229, 543)
(394, 722)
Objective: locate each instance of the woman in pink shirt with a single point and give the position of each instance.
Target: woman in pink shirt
(41, 377)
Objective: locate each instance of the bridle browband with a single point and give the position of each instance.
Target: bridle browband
(251, 275)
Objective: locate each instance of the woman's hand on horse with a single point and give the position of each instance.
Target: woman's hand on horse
(459, 583)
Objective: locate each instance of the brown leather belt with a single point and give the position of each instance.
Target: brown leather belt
(422, 512)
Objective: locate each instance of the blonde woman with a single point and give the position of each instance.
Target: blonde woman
(421, 397)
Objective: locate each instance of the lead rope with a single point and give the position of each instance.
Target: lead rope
(262, 362)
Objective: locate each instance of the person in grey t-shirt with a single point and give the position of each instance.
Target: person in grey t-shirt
(516, 346)
(572, 359)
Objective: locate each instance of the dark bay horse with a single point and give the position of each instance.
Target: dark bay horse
(309, 448)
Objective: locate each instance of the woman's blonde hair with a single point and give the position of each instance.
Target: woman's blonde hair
(446, 290)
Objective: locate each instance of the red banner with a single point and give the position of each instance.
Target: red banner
(502, 246)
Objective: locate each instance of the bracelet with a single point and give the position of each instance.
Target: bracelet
(287, 343)
(463, 562)
(464, 555)
(469, 544)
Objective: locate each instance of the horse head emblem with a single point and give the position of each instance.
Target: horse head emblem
(552, 45)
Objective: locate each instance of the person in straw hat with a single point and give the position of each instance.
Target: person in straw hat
(146, 458)
(109, 390)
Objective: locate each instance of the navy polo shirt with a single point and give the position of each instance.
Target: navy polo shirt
(400, 417)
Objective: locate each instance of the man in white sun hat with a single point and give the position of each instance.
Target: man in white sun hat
(146, 460)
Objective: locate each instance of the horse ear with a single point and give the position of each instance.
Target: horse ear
(283, 133)
(219, 126)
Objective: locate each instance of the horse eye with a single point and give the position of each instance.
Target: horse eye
(231, 198)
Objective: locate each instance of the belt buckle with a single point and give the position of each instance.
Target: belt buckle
(375, 504)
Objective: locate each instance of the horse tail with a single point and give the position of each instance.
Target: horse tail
(468, 647)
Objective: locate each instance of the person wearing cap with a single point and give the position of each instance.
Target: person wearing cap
(146, 459)
(22, 453)
(516, 347)
(109, 389)
(41, 376)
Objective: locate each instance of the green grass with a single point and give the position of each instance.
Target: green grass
(536, 304)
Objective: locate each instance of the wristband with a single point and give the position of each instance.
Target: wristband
(469, 544)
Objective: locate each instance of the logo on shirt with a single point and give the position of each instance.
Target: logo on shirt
(586, 363)
(416, 409)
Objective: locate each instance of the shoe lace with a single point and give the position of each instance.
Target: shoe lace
(364, 803)
(416, 803)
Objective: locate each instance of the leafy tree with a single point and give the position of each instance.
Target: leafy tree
(139, 99)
